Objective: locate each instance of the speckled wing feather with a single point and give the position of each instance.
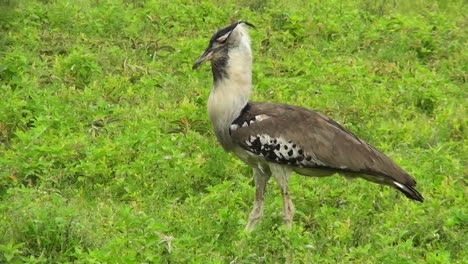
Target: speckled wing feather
(305, 139)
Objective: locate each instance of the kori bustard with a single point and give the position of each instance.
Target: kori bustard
(278, 139)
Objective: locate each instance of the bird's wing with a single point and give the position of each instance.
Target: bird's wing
(306, 139)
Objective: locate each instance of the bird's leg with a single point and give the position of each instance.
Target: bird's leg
(282, 178)
(261, 180)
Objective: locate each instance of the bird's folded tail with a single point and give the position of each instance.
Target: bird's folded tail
(409, 191)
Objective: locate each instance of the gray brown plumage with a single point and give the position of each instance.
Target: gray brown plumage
(315, 142)
(277, 139)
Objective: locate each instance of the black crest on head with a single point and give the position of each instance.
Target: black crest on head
(222, 32)
(228, 29)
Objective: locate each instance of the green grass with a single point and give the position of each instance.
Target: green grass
(107, 154)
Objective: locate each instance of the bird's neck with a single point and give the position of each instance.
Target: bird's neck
(230, 92)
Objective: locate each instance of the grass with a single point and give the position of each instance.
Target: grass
(107, 154)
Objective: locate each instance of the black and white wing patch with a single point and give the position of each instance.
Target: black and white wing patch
(273, 148)
(238, 123)
(279, 150)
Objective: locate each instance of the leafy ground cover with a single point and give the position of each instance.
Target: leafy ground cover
(107, 154)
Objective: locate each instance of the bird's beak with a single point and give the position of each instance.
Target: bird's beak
(207, 55)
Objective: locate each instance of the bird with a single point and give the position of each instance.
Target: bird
(278, 139)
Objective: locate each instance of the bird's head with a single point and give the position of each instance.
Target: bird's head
(224, 45)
